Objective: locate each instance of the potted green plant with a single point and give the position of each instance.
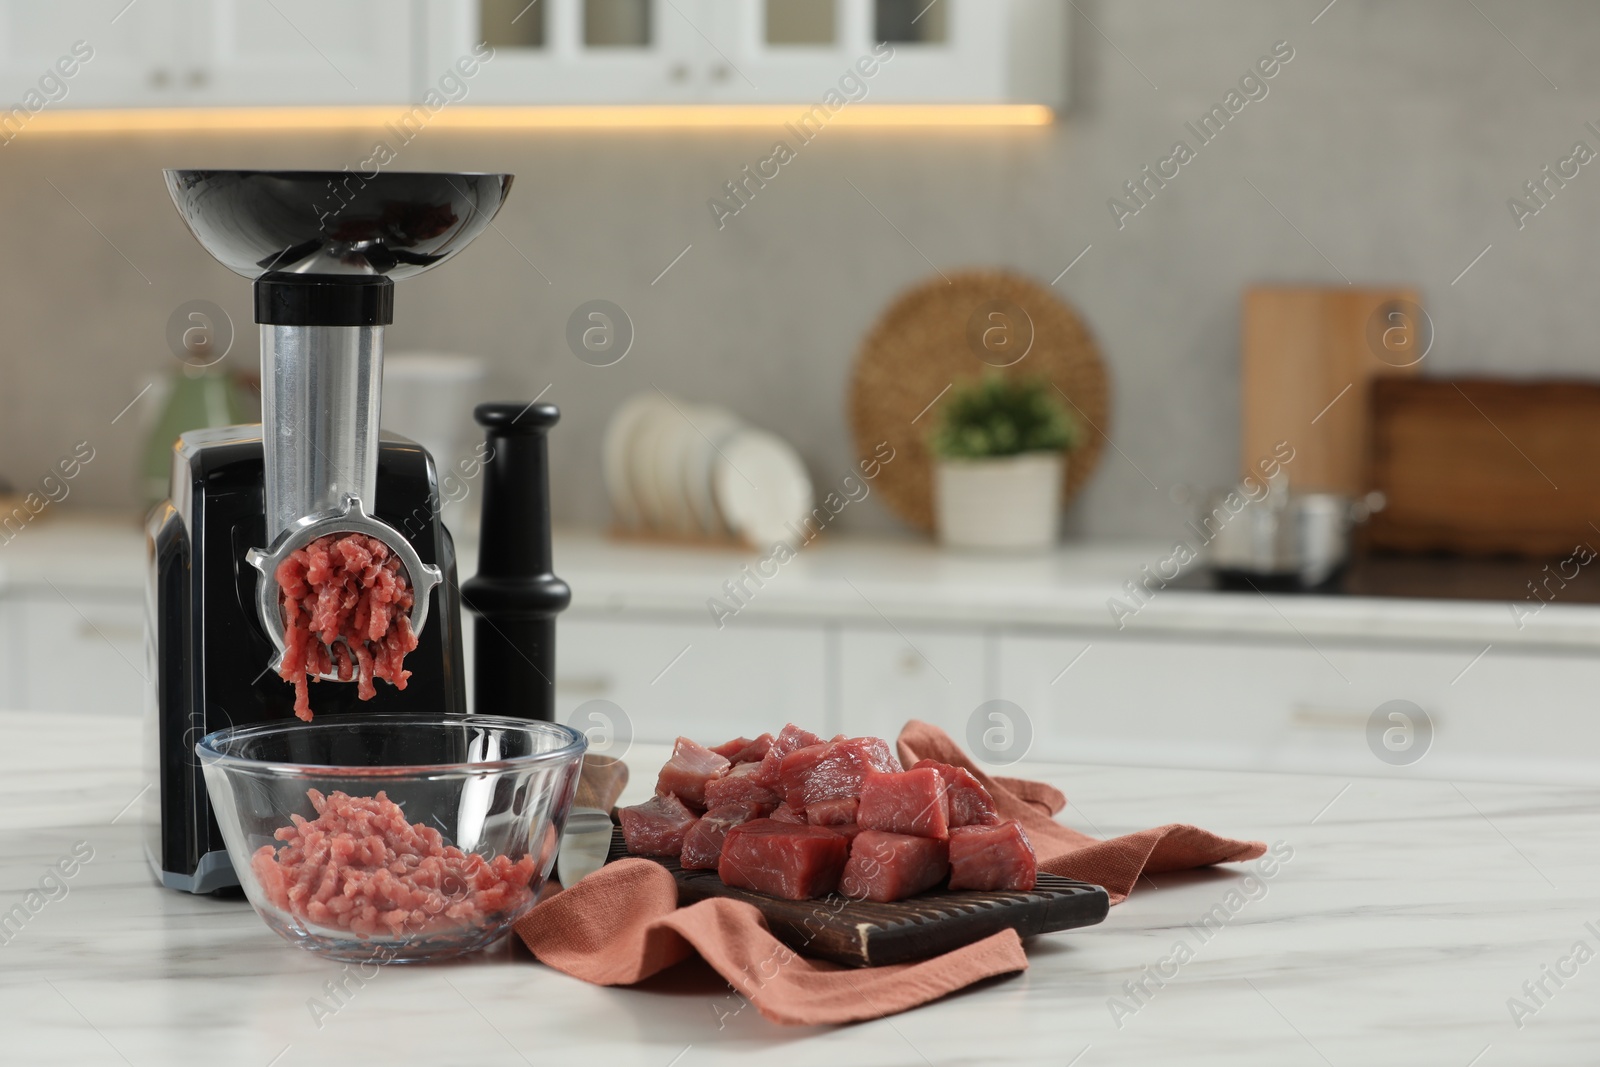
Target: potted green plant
(1000, 452)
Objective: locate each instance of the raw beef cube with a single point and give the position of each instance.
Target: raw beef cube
(840, 811)
(795, 770)
(728, 749)
(838, 771)
(785, 813)
(656, 827)
(992, 857)
(970, 802)
(739, 786)
(790, 739)
(794, 862)
(911, 802)
(754, 752)
(849, 830)
(885, 867)
(685, 775)
(702, 845)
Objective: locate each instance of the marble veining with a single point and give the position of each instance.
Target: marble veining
(1408, 915)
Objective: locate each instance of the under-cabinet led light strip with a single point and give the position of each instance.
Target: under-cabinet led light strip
(240, 119)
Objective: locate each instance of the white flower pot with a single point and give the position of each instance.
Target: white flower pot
(1012, 502)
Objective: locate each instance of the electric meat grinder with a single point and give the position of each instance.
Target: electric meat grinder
(323, 251)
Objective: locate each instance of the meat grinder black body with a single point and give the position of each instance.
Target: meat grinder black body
(208, 655)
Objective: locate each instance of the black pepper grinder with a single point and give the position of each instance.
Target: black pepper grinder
(514, 594)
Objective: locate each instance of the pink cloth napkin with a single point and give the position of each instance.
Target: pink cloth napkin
(1116, 862)
(622, 924)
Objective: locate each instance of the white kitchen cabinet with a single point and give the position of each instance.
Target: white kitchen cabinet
(681, 676)
(78, 651)
(244, 52)
(1285, 705)
(819, 53)
(754, 51)
(886, 677)
(155, 53)
(119, 54)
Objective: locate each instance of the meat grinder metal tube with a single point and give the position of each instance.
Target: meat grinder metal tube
(321, 388)
(515, 595)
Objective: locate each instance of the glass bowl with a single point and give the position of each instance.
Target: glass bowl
(392, 838)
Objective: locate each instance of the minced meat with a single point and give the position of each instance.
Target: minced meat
(362, 866)
(346, 611)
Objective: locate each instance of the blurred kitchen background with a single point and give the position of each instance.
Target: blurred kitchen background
(1351, 221)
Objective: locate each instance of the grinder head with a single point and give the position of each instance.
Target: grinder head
(390, 224)
(324, 249)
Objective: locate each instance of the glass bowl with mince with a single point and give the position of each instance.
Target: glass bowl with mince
(392, 838)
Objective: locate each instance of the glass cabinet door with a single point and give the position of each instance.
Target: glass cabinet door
(754, 51)
(573, 51)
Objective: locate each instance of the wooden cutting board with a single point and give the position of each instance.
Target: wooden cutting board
(1307, 358)
(860, 933)
(1486, 466)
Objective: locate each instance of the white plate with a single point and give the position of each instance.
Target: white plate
(762, 488)
(674, 439)
(713, 426)
(614, 452)
(648, 438)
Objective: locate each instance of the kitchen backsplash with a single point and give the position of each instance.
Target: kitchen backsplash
(764, 313)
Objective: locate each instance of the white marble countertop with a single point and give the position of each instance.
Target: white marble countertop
(1408, 915)
(846, 579)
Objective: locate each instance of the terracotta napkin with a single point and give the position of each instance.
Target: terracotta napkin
(622, 924)
(1115, 863)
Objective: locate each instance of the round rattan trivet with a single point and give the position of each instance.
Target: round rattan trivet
(940, 334)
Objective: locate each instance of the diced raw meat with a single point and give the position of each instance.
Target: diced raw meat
(794, 862)
(739, 786)
(728, 749)
(786, 813)
(970, 802)
(755, 751)
(992, 857)
(790, 739)
(346, 611)
(702, 845)
(885, 867)
(743, 750)
(685, 775)
(361, 866)
(837, 771)
(656, 827)
(796, 768)
(840, 811)
(911, 802)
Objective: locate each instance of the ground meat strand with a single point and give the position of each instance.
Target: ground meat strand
(361, 866)
(346, 611)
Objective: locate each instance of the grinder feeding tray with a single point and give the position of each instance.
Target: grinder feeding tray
(310, 545)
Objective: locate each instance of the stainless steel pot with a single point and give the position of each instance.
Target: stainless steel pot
(1301, 540)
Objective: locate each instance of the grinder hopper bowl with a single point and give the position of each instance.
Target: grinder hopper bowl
(324, 251)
